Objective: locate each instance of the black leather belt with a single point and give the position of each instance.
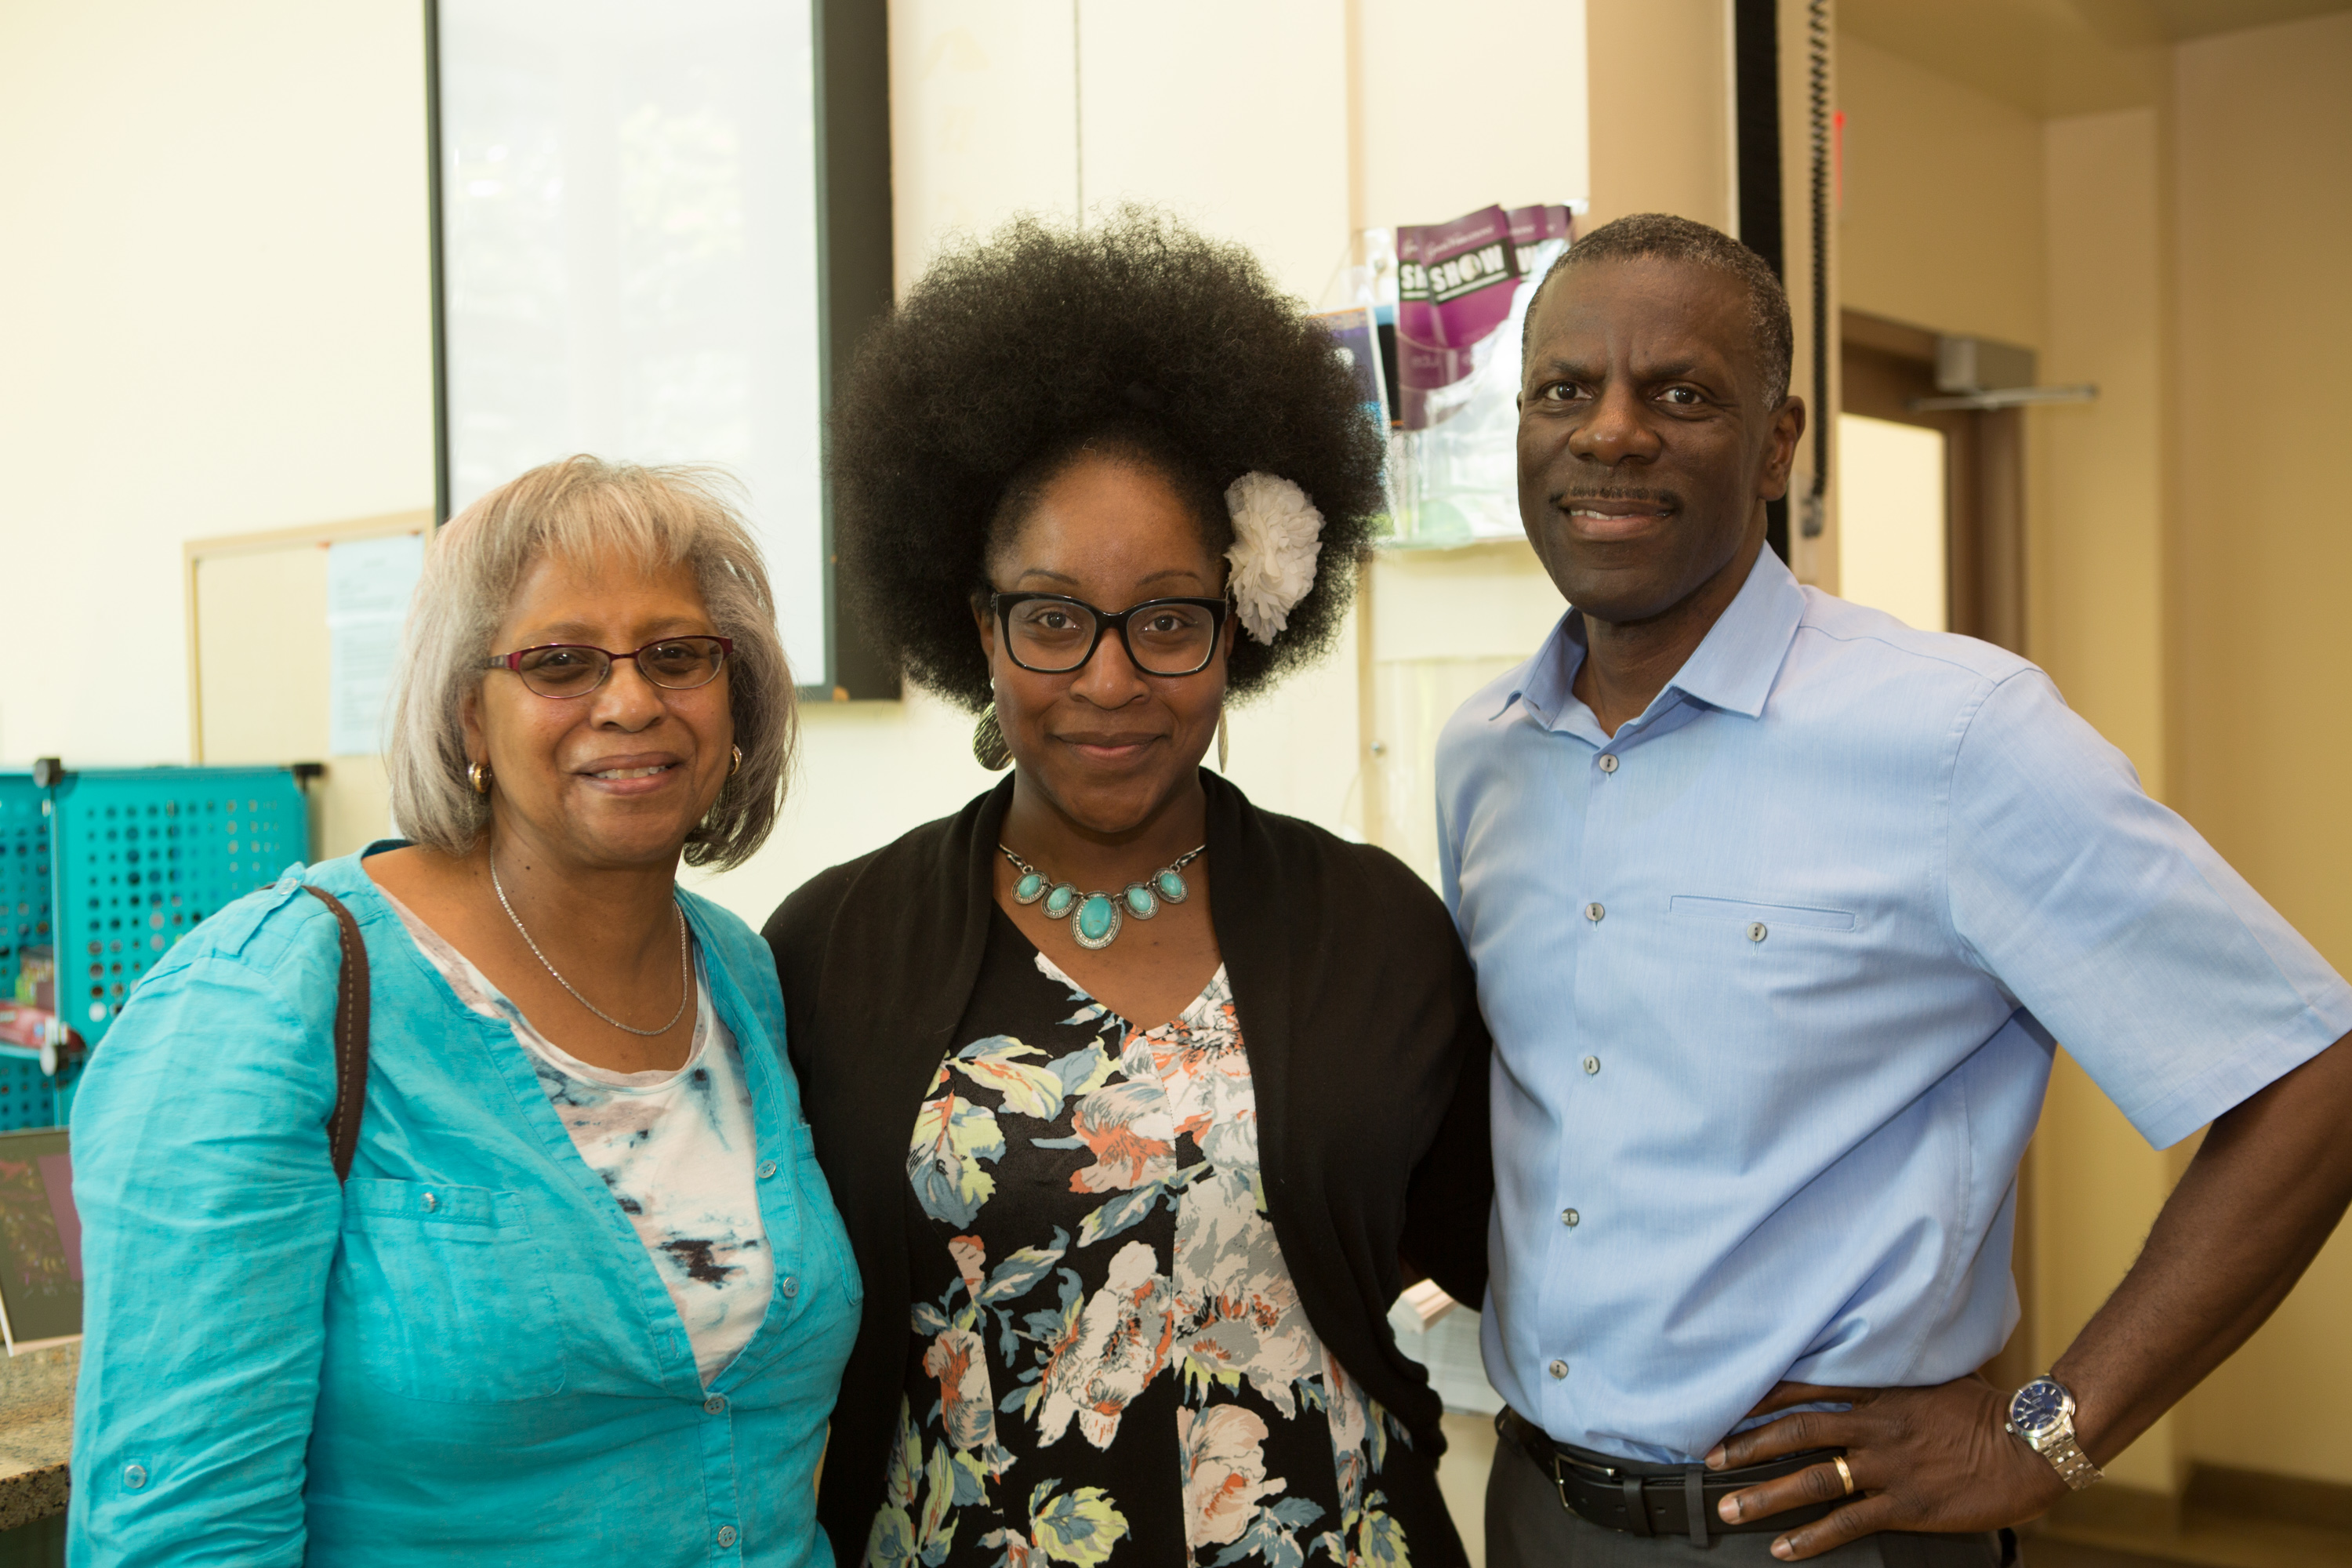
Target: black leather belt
(1657, 1499)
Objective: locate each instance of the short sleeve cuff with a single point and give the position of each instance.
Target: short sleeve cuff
(2245, 1071)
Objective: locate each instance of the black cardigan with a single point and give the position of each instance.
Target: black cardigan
(1367, 1054)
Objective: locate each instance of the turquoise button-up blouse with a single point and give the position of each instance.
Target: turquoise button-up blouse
(463, 1354)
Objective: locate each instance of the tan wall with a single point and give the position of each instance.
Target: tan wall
(1943, 220)
(1661, 107)
(2095, 585)
(2265, 171)
(2096, 595)
(2263, 679)
(2189, 550)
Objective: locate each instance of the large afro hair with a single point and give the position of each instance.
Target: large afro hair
(1135, 336)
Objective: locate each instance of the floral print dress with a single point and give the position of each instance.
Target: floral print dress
(1108, 1362)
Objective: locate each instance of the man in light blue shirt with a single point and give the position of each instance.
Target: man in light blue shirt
(1778, 909)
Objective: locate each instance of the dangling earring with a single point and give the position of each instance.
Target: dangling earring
(1220, 740)
(479, 776)
(988, 743)
(737, 765)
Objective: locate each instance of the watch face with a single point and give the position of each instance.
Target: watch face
(2039, 1406)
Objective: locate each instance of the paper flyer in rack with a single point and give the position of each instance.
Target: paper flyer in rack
(1463, 292)
(1457, 282)
(369, 582)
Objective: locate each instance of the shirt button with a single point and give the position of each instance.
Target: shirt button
(432, 1202)
(1570, 1218)
(767, 1169)
(1592, 1066)
(727, 1531)
(1559, 1368)
(1608, 761)
(791, 1287)
(1759, 931)
(1593, 913)
(714, 1404)
(135, 1475)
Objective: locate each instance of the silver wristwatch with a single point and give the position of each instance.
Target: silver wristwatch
(2043, 1414)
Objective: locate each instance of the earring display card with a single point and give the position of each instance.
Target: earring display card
(40, 1241)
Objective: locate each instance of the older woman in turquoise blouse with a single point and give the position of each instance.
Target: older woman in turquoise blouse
(583, 1297)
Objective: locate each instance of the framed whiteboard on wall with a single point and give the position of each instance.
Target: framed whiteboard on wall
(652, 226)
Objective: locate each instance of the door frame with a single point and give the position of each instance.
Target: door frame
(1886, 366)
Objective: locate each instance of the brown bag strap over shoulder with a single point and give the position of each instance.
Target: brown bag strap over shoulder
(351, 1036)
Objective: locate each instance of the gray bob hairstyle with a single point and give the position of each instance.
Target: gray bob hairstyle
(572, 510)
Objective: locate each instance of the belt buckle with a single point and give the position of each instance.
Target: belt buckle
(1559, 1466)
(1632, 1489)
(1559, 1478)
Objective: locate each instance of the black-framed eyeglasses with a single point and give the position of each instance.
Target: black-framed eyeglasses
(1053, 634)
(562, 669)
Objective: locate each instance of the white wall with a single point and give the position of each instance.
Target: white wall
(1286, 126)
(1465, 105)
(213, 317)
(222, 325)
(1233, 113)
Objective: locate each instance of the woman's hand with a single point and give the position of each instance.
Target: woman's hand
(1936, 1459)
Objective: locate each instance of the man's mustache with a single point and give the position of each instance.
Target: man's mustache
(1668, 500)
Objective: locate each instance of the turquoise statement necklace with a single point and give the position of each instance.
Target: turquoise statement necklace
(1095, 918)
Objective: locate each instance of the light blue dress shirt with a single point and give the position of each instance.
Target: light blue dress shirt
(462, 1356)
(1774, 976)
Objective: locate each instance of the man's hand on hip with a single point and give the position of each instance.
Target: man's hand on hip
(1921, 1459)
(2267, 1187)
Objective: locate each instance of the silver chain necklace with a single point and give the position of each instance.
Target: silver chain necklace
(685, 966)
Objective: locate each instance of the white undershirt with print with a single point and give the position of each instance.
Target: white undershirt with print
(677, 1151)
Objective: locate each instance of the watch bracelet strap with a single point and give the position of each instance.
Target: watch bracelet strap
(2073, 1466)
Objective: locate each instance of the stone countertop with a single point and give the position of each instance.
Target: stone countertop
(37, 1394)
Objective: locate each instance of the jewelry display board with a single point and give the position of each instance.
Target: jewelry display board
(111, 867)
(26, 933)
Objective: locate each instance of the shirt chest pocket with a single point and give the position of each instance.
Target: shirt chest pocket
(1758, 921)
(447, 1295)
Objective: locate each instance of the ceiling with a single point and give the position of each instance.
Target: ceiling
(2186, 19)
(2058, 57)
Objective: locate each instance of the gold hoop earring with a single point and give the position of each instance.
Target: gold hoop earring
(737, 765)
(479, 776)
(988, 747)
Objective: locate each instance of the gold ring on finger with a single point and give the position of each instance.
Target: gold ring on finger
(1844, 1474)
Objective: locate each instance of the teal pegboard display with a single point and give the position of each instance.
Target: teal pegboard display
(25, 1097)
(141, 856)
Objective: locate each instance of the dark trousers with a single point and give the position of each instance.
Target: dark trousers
(1528, 1528)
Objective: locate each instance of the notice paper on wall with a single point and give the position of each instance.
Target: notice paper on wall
(369, 582)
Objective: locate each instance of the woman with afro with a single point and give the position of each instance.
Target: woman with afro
(1140, 1104)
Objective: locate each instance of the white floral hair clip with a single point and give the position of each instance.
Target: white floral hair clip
(1276, 537)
